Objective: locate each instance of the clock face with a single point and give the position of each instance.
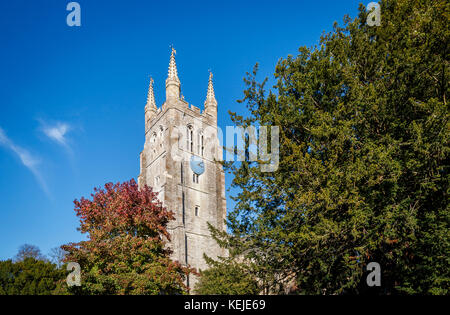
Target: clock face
(197, 165)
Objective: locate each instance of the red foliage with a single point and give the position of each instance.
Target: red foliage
(126, 252)
(123, 208)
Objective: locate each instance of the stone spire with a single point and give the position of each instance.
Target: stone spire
(151, 96)
(211, 102)
(150, 107)
(173, 85)
(173, 73)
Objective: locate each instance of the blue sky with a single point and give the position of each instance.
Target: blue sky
(72, 98)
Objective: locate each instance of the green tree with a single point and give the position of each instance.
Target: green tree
(126, 250)
(363, 173)
(29, 276)
(226, 277)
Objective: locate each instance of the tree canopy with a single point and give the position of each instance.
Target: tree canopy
(29, 251)
(226, 277)
(29, 276)
(126, 249)
(363, 172)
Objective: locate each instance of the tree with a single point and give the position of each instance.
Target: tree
(57, 255)
(364, 150)
(29, 251)
(226, 277)
(126, 250)
(29, 276)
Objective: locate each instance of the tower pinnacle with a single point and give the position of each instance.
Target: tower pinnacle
(172, 81)
(210, 97)
(151, 96)
(150, 107)
(211, 102)
(173, 73)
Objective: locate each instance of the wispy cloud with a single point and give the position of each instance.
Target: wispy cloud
(57, 132)
(26, 158)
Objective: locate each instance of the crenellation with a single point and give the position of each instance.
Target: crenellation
(195, 109)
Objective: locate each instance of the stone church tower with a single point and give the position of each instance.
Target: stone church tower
(179, 161)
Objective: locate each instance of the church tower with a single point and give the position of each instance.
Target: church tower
(179, 161)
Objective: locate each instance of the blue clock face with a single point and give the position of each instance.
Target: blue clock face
(197, 165)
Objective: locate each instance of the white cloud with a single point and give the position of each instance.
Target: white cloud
(25, 157)
(57, 132)
(3, 137)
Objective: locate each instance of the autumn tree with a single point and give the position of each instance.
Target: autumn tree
(126, 249)
(364, 159)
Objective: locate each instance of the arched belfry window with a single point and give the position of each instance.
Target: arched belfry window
(200, 143)
(161, 134)
(153, 142)
(190, 139)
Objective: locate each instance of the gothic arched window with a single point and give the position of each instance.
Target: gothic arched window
(161, 134)
(201, 144)
(190, 139)
(197, 210)
(153, 142)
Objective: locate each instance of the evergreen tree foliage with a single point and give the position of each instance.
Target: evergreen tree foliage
(29, 276)
(226, 277)
(364, 160)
